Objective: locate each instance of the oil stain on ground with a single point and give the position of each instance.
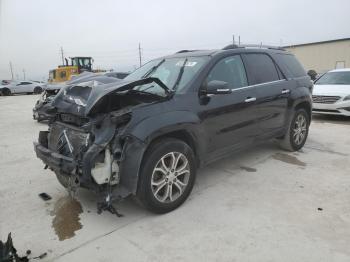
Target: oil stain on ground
(288, 159)
(248, 169)
(66, 217)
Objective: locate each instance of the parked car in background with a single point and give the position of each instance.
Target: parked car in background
(147, 134)
(22, 87)
(5, 82)
(331, 94)
(120, 75)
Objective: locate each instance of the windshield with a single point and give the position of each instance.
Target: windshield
(334, 78)
(175, 73)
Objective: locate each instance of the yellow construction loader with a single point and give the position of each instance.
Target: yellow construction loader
(76, 66)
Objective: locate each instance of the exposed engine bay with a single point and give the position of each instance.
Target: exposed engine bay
(88, 145)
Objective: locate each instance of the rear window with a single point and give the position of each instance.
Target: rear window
(292, 65)
(260, 69)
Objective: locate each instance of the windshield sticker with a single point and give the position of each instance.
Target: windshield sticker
(191, 64)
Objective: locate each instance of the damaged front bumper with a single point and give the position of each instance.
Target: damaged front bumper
(107, 165)
(54, 160)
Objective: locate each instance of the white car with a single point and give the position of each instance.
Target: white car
(331, 94)
(18, 87)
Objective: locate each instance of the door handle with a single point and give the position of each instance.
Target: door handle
(250, 99)
(285, 91)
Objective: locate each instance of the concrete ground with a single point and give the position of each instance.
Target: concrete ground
(262, 204)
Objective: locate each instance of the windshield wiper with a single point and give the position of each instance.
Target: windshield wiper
(149, 72)
(182, 69)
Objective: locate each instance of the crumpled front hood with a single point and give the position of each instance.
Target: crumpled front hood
(80, 99)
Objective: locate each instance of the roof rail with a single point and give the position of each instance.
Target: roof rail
(233, 46)
(185, 51)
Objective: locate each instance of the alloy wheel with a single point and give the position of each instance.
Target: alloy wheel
(170, 177)
(300, 129)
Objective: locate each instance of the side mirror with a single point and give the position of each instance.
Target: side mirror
(216, 87)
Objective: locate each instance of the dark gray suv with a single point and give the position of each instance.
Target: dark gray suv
(147, 134)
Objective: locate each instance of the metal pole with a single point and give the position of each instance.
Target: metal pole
(24, 74)
(140, 54)
(11, 69)
(62, 55)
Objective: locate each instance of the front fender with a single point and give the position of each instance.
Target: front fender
(145, 132)
(158, 125)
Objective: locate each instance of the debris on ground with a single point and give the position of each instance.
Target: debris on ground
(8, 252)
(320, 209)
(41, 256)
(44, 196)
(105, 206)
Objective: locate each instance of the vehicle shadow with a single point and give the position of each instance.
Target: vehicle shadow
(207, 177)
(334, 119)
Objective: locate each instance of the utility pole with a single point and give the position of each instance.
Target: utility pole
(11, 69)
(62, 55)
(233, 39)
(239, 40)
(24, 74)
(140, 54)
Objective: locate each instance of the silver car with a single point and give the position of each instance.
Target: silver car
(22, 87)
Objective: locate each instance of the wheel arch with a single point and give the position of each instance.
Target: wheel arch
(180, 134)
(305, 105)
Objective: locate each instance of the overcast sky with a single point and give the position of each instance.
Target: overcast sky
(32, 31)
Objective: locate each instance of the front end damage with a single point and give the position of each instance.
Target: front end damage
(94, 148)
(43, 110)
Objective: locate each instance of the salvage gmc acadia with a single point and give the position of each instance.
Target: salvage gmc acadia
(147, 134)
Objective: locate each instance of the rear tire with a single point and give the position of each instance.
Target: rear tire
(167, 175)
(297, 131)
(38, 90)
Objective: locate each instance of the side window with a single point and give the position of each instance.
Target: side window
(230, 70)
(291, 65)
(260, 69)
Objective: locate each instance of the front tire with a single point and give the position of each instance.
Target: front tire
(167, 175)
(297, 132)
